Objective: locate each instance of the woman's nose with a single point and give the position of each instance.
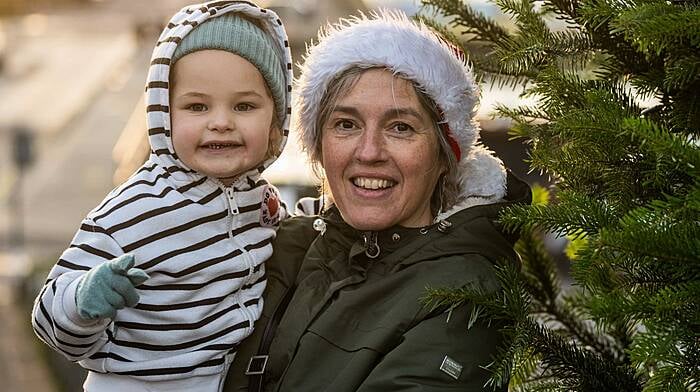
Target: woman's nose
(370, 145)
(220, 120)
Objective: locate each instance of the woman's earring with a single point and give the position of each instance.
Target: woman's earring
(323, 195)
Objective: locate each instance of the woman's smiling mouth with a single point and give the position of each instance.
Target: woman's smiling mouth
(372, 183)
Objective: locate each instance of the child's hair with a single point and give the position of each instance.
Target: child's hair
(243, 36)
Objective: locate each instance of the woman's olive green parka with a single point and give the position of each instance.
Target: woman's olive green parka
(359, 324)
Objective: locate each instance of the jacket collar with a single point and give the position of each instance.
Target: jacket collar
(405, 241)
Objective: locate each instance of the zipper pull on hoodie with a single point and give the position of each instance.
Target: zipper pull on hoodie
(232, 205)
(372, 249)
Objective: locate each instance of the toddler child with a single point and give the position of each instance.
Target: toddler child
(165, 277)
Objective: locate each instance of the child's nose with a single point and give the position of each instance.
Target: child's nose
(220, 121)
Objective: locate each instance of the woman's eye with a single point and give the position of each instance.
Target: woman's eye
(402, 128)
(197, 107)
(344, 125)
(243, 107)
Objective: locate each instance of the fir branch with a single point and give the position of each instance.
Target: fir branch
(658, 27)
(485, 66)
(569, 49)
(578, 330)
(671, 148)
(524, 127)
(575, 315)
(543, 384)
(538, 271)
(441, 29)
(564, 9)
(676, 302)
(580, 370)
(525, 365)
(597, 14)
(668, 357)
(573, 49)
(623, 59)
(656, 235)
(649, 82)
(682, 72)
(472, 22)
(481, 33)
(553, 87)
(522, 114)
(685, 111)
(524, 50)
(575, 215)
(495, 75)
(561, 92)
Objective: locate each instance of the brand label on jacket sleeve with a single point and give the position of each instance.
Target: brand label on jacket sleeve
(451, 367)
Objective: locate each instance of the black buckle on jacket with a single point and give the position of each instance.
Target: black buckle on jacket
(256, 365)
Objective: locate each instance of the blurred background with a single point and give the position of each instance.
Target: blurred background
(72, 126)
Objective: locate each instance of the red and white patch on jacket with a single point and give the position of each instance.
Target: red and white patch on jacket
(270, 207)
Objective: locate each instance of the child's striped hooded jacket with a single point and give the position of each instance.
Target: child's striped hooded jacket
(202, 244)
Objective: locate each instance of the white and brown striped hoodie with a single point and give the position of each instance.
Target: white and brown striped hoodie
(203, 245)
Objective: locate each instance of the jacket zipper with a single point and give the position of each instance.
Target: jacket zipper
(372, 249)
(371, 245)
(233, 211)
(232, 208)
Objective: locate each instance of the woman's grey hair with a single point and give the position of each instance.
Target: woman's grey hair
(446, 191)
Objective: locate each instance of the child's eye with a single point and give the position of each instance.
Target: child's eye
(197, 107)
(244, 107)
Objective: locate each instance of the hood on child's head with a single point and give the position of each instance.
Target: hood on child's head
(254, 33)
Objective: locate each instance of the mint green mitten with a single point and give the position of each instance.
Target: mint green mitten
(109, 287)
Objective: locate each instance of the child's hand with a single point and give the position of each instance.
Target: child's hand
(109, 287)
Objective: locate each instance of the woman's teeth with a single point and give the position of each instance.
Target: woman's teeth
(372, 183)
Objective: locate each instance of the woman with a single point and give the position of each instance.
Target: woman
(385, 109)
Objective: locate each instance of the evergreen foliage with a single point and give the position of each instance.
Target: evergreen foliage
(616, 125)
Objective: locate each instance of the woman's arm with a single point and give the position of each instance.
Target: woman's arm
(289, 247)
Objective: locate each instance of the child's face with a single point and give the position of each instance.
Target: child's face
(221, 114)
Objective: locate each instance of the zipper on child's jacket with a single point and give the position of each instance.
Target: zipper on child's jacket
(233, 211)
(232, 205)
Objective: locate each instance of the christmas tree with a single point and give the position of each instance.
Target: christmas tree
(616, 126)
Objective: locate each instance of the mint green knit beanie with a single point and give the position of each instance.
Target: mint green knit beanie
(237, 35)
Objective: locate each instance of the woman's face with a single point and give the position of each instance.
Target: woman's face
(380, 154)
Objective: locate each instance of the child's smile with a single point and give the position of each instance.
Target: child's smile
(220, 145)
